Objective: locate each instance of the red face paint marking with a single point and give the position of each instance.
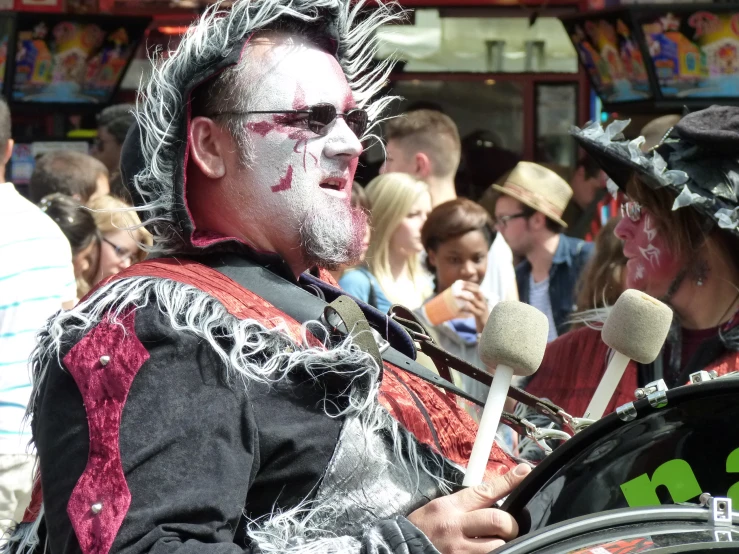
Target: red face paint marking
(349, 102)
(286, 182)
(261, 127)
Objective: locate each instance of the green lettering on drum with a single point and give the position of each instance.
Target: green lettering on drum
(732, 466)
(676, 475)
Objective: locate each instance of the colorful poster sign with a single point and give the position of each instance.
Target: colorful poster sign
(5, 31)
(71, 61)
(695, 54)
(610, 54)
(21, 164)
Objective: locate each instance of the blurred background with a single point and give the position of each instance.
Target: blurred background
(514, 76)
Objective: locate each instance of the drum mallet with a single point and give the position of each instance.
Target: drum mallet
(636, 329)
(512, 343)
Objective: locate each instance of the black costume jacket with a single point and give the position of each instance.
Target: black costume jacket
(204, 455)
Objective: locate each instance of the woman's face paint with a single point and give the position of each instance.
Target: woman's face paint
(651, 266)
(295, 171)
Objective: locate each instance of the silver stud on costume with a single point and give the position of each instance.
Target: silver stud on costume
(96, 508)
(104, 360)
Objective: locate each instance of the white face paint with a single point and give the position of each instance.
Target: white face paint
(639, 272)
(651, 254)
(299, 177)
(649, 230)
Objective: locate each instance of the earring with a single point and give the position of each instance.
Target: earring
(700, 273)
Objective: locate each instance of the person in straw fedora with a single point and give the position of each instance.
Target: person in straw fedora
(528, 213)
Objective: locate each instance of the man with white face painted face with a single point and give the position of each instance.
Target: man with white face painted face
(191, 411)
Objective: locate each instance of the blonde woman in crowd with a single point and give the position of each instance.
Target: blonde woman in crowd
(357, 280)
(121, 236)
(400, 205)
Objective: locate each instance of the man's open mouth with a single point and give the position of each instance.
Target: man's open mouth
(333, 184)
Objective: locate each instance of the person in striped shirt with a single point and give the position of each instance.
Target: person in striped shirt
(36, 281)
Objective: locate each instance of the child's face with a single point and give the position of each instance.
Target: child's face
(461, 258)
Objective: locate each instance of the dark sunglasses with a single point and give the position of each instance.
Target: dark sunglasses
(321, 115)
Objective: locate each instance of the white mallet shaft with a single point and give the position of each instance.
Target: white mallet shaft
(607, 386)
(512, 343)
(488, 426)
(636, 329)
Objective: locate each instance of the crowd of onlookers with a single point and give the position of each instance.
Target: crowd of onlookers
(74, 229)
(448, 259)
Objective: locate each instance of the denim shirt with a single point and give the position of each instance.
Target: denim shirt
(569, 259)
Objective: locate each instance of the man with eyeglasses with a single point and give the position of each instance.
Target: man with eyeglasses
(211, 400)
(528, 213)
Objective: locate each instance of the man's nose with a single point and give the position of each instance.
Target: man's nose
(342, 142)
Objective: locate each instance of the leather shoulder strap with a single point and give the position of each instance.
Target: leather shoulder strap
(287, 297)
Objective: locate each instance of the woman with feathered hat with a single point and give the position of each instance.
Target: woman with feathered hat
(680, 233)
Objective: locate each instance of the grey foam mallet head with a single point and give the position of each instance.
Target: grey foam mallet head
(637, 326)
(515, 335)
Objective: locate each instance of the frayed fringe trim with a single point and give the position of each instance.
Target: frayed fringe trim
(22, 538)
(300, 530)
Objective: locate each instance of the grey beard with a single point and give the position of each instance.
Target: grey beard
(331, 234)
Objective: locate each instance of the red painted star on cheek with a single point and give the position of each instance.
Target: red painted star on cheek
(652, 265)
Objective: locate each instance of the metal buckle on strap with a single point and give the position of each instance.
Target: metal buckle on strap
(575, 424)
(409, 322)
(540, 435)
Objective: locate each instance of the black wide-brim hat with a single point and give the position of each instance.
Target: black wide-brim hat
(698, 161)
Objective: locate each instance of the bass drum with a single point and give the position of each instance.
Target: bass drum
(669, 448)
(656, 530)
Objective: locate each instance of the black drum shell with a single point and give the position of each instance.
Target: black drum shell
(699, 424)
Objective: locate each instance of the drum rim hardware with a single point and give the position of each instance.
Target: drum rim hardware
(549, 535)
(650, 388)
(627, 412)
(705, 376)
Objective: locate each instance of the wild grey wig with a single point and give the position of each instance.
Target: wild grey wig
(163, 108)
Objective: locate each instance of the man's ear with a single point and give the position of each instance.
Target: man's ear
(207, 147)
(422, 164)
(539, 220)
(8, 152)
